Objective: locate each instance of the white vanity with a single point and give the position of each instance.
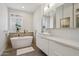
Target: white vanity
(64, 40)
(60, 43)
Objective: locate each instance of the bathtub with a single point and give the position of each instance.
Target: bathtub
(19, 42)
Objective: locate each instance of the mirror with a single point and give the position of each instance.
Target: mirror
(45, 23)
(48, 19)
(60, 16)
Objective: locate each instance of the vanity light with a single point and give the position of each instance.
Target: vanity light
(22, 6)
(46, 8)
(51, 4)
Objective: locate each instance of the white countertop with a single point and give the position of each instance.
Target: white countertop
(68, 42)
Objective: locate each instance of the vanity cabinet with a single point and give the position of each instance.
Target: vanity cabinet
(45, 46)
(42, 43)
(51, 48)
(39, 42)
(55, 48)
(59, 49)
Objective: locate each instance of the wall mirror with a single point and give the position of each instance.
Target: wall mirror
(62, 16)
(45, 22)
(48, 17)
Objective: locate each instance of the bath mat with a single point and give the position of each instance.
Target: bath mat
(25, 50)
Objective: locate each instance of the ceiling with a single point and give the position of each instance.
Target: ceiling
(28, 7)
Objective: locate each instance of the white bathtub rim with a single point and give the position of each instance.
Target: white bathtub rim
(24, 37)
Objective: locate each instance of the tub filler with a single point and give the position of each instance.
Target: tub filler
(19, 42)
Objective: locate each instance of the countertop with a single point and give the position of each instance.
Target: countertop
(68, 42)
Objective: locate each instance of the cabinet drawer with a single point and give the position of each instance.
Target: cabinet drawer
(59, 49)
(38, 42)
(51, 48)
(42, 44)
(64, 50)
(45, 45)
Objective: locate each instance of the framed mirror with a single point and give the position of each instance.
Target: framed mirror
(65, 22)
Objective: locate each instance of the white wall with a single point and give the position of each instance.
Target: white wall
(3, 26)
(27, 19)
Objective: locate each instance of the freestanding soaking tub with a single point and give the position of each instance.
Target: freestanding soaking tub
(19, 42)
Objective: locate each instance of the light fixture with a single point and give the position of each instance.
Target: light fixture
(51, 4)
(45, 8)
(22, 6)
